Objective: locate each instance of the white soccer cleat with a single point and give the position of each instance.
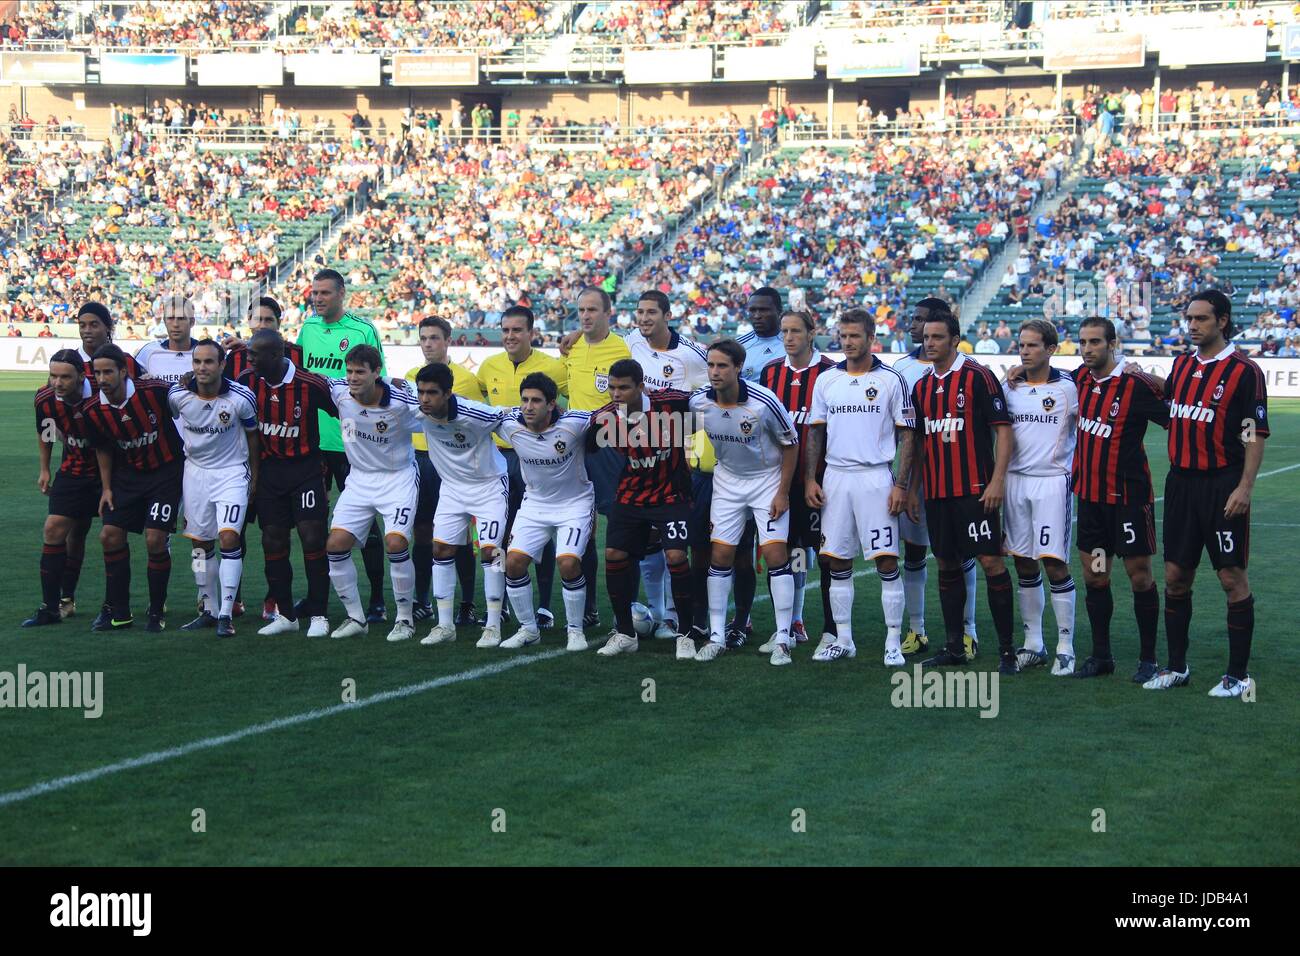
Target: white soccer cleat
(894, 657)
(780, 655)
(665, 631)
(1027, 657)
(402, 631)
(835, 651)
(827, 640)
(1167, 679)
(279, 625)
(351, 628)
(577, 640)
(619, 644)
(1064, 665)
(522, 638)
(1231, 687)
(770, 646)
(711, 650)
(685, 648)
(491, 637)
(441, 634)
(319, 626)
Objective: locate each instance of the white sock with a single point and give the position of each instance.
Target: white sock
(653, 570)
(202, 561)
(231, 570)
(780, 582)
(494, 588)
(575, 601)
(914, 578)
(343, 578)
(842, 605)
(444, 589)
(969, 567)
(520, 592)
(891, 600)
(402, 570)
(719, 600)
(1063, 593)
(1031, 610)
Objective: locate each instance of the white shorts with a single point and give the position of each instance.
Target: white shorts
(390, 496)
(735, 500)
(536, 526)
(216, 500)
(856, 514)
(485, 504)
(1037, 517)
(915, 532)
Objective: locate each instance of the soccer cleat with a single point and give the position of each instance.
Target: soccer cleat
(154, 623)
(1167, 679)
(685, 648)
(827, 640)
(894, 658)
(1027, 658)
(377, 613)
(590, 620)
(577, 640)
(835, 651)
(1146, 670)
(236, 611)
(319, 626)
(619, 644)
(914, 643)
(102, 619)
(1064, 665)
(225, 627)
(205, 620)
(421, 612)
(1007, 663)
(972, 645)
(780, 655)
(67, 607)
(1096, 667)
(269, 610)
(441, 634)
(545, 619)
(491, 637)
(106, 622)
(666, 631)
(799, 633)
(945, 658)
(42, 617)
(351, 627)
(1231, 687)
(737, 635)
(710, 651)
(769, 645)
(523, 637)
(279, 625)
(402, 631)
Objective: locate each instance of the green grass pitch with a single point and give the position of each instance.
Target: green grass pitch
(559, 759)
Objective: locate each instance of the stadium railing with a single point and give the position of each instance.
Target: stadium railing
(807, 133)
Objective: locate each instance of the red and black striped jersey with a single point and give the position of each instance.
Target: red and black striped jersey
(1214, 407)
(794, 388)
(656, 471)
(57, 420)
(287, 411)
(1110, 461)
(141, 429)
(239, 361)
(955, 415)
(133, 369)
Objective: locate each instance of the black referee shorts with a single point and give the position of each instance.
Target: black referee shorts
(960, 528)
(1128, 530)
(75, 496)
(1194, 520)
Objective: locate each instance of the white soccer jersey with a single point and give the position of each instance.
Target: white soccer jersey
(758, 352)
(553, 462)
(912, 366)
(748, 437)
(861, 412)
(377, 439)
(159, 361)
(213, 428)
(461, 448)
(681, 366)
(1045, 418)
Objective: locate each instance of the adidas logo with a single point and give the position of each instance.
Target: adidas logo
(854, 384)
(1096, 390)
(1196, 374)
(726, 414)
(275, 398)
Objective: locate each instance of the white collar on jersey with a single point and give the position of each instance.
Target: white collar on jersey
(1228, 349)
(957, 363)
(288, 376)
(130, 390)
(816, 357)
(1117, 370)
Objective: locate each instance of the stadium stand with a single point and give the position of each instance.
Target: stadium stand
(647, 22)
(396, 25)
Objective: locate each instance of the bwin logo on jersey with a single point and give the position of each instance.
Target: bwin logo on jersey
(872, 392)
(1048, 403)
(934, 425)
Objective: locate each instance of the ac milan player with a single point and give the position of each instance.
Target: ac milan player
(1218, 420)
(140, 465)
(791, 380)
(74, 490)
(653, 495)
(265, 315)
(958, 405)
(291, 484)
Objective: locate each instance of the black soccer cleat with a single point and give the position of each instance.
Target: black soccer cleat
(106, 622)
(377, 613)
(545, 619)
(225, 627)
(42, 617)
(1007, 663)
(155, 624)
(1146, 670)
(590, 620)
(202, 622)
(1095, 667)
(100, 623)
(737, 636)
(421, 612)
(945, 658)
(467, 615)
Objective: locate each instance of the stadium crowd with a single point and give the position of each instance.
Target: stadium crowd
(647, 22)
(399, 24)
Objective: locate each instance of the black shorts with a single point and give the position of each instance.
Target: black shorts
(430, 485)
(336, 469)
(629, 527)
(1194, 520)
(805, 522)
(290, 491)
(146, 499)
(960, 528)
(75, 496)
(1128, 530)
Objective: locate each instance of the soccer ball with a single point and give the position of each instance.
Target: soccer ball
(642, 621)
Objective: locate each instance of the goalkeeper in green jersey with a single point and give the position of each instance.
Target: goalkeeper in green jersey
(325, 338)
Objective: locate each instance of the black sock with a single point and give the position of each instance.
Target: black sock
(279, 581)
(159, 573)
(1241, 628)
(679, 578)
(1146, 608)
(317, 566)
(622, 581)
(952, 599)
(589, 568)
(117, 581)
(71, 575)
(422, 555)
(54, 558)
(546, 576)
(372, 558)
(1178, 624)
(466, 571)
(745, 584)
(828, 619)
(1101, 605)
(1002, 607)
